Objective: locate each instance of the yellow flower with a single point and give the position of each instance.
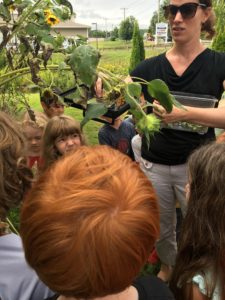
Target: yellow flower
(47, 12)
(12, 7)
(52, 20)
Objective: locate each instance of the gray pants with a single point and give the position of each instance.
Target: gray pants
(169, 183)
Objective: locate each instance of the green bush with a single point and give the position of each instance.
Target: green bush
(138, 50)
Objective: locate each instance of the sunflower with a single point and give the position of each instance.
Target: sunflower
(52, 20)
(12, 7)
(47, 12)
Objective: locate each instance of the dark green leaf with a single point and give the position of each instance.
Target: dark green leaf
(32, 29)
(5, 13)
(160, 91)
(66, 3)
(61, 13)
(83, 61)
(48, 39)
(94, 110)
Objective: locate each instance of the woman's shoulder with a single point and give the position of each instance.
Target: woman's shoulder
(218, 56)
(151, 287)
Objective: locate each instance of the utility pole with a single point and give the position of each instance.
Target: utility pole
(96, 28)
(106, 31)
(124, 12)
(158, 9)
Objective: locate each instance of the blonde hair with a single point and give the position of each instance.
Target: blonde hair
(56, 127)
(90, 223)
(36, 120)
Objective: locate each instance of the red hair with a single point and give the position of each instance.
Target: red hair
(89, 223)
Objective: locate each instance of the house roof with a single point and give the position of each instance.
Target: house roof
(71, 24)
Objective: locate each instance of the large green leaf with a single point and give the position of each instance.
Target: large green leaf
(48, 39)
(94, 110)
(62, 13)
(32, 29)
(83, 61)
(160, 91)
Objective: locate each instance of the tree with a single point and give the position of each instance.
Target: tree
(138, 50)
(155, 18)
(115, 34)
(219, 40)
(98, 33)
(126, 28)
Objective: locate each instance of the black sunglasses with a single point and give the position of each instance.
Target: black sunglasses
(187, 10)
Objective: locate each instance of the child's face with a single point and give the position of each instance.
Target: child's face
(65, 144)
(54, 109)
(34, 138)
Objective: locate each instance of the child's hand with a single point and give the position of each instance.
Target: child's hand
(99, 88)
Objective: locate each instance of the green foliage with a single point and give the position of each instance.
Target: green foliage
(126, 28)
(219, 40)
(97, 33)
(115, 33)
(138, 51)
(12, 99)
(3, 59)
(94, 110)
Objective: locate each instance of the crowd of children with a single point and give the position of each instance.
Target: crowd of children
(92, 216)
(198, 271)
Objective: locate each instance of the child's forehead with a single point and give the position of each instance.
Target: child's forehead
(32, 129)
(68, 131)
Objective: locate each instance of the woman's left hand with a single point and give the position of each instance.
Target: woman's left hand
(175, 115)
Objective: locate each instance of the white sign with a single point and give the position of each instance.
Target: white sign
(161, 31)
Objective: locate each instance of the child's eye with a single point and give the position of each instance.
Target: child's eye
(75, 135)
(61, 139)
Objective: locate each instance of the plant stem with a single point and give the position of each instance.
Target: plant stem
(142, 81)
(25, 71)
(12, 226)
(136, 104)
(114, 77)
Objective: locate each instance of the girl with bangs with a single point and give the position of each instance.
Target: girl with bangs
(61, 136)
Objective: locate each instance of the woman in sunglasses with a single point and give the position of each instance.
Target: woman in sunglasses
(188, 67)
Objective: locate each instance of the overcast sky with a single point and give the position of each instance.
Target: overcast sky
(109, 13)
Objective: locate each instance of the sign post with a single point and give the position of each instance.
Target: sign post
(161, 31)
